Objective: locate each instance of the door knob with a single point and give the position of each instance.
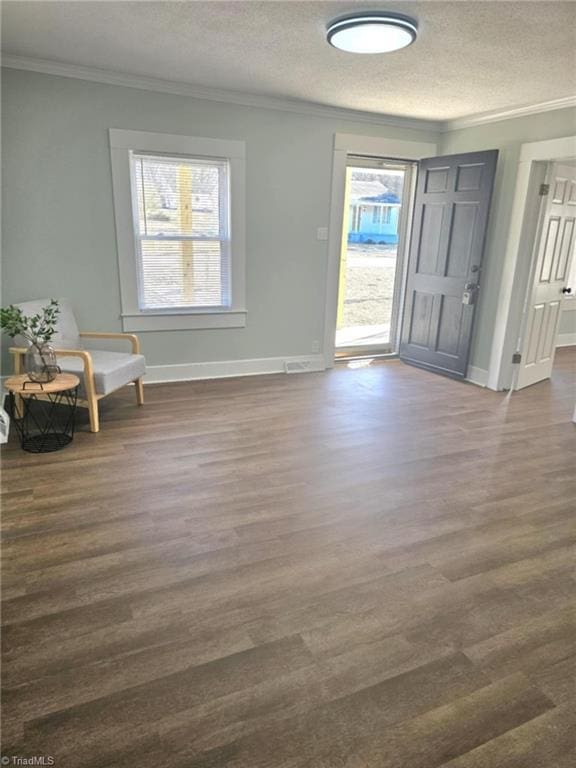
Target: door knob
(566, 290)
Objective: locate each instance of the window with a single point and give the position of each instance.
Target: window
(356, 218)
(179, 204)
(183, 246)
(381, 214)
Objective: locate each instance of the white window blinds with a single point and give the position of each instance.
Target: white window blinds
(182, 231)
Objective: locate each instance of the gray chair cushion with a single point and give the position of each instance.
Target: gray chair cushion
(67, 335)
(112, 370)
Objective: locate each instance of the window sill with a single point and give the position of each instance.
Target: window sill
(184, 321)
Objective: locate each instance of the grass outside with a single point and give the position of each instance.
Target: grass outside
(369, 289)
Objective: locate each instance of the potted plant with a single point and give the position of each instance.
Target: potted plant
(40, 359)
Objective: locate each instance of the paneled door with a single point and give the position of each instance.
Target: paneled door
(450, 218)
(554, 254)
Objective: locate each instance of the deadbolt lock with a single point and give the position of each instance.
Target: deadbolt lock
(469, 295)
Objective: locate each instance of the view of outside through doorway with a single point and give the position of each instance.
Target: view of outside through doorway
(368, 262)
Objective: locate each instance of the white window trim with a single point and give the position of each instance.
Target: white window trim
(122, 143)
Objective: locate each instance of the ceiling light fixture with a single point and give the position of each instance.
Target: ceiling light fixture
(372, 32)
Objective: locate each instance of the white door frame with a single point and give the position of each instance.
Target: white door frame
(552, 169)
(351, 144)
(518, 257)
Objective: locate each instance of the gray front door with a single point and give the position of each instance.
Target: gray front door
(450, 219)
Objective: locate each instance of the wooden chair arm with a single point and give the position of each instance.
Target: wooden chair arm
(131, 337)
(81, 353)
(17, 353)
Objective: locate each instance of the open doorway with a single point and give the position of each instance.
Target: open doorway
(375, 225)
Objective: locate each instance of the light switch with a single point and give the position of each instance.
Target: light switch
(322, 233)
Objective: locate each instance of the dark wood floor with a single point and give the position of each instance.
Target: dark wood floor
(365, 568)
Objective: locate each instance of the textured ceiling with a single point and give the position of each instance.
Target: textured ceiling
(470, 56)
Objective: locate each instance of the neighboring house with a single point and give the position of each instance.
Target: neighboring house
(373, 215)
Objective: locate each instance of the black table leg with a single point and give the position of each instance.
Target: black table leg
(44, 424)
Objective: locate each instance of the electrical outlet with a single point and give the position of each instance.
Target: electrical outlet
(315, 346)
(322, 233)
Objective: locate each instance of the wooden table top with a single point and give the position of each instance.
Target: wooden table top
(60, 383)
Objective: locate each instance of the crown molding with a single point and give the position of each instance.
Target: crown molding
(93, 74)
(497, 115)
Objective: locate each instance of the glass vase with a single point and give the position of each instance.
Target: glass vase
(40, 363)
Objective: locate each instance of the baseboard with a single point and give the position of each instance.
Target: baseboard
(222, 369)
(566, 340)
(478, 376)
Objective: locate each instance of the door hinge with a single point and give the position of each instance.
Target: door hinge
(544, 189)
(516, 358)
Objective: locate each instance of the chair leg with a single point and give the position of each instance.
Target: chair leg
(94, 415)
(18, 400)
(139, 385)
(92, 401)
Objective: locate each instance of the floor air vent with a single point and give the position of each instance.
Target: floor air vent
(298, 366)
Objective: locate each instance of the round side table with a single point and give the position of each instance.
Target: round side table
(44, 415)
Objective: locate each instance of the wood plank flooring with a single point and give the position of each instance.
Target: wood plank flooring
(363, 568)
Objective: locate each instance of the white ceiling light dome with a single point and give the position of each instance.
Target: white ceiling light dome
(372, 32)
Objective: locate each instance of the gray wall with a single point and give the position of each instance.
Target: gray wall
(568, 316)
(567, 322)
(59, 237)
(506, 136)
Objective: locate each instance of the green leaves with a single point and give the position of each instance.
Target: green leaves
(37, 329)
